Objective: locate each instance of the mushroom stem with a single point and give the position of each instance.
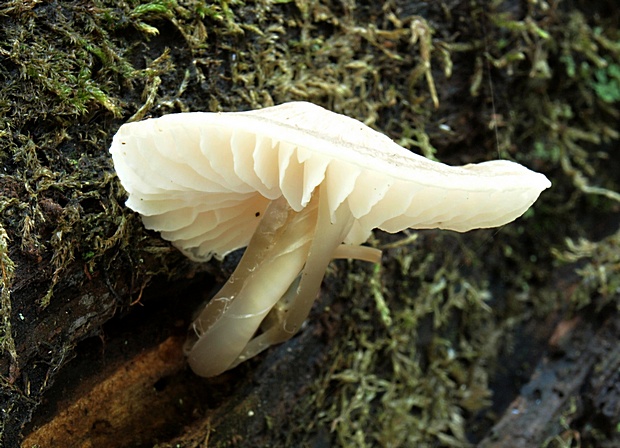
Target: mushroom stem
(287, 316)
(274, 285)
(275, 256)
(364, 253)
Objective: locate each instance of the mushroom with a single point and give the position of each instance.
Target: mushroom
(299, 186)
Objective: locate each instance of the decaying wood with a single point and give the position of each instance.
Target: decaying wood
(566, 386)
(143, 399)
(119, 407)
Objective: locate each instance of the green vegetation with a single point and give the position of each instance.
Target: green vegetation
(600, 282)
(7, 268)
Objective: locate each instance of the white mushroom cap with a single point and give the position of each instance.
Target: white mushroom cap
(204, 179)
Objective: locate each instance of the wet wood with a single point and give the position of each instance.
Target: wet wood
(119, 406)
(580, 377)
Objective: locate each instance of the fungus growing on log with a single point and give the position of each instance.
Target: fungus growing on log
(299, 186)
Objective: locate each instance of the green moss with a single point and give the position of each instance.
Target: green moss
(62, 64)
(600, 274)
(7, 271)
(570, 111)
(605, 81)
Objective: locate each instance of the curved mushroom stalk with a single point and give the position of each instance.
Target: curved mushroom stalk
(289, 313)
(273, 287)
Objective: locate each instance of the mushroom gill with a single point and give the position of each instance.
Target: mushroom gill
(292, 183)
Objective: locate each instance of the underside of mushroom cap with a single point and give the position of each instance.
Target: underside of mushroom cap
(205, 179)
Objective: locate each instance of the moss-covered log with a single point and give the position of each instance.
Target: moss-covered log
(437, 348)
